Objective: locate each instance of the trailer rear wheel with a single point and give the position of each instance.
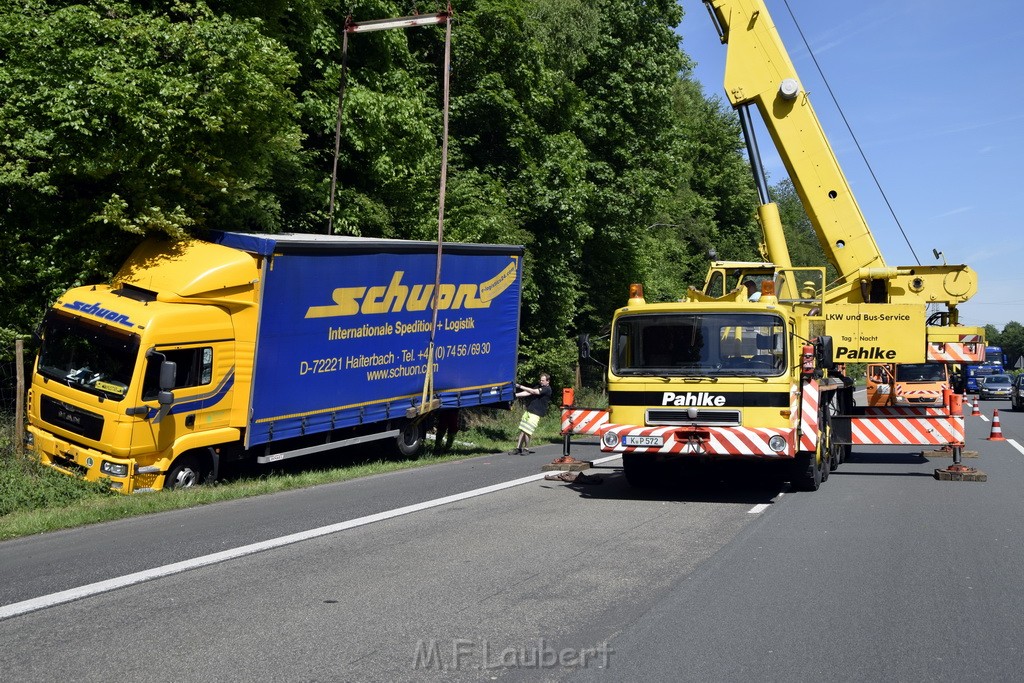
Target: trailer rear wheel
(410, 438)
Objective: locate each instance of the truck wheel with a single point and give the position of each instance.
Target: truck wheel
(806, 472)
(836, 452)
(410, 438)
(640, 471)
(186, 472)
(824, 455)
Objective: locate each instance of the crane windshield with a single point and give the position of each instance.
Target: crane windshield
(704, 344)
(921, 372)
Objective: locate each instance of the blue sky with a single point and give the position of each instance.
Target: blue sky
(933, 91)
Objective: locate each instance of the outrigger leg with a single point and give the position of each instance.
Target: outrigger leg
(958, 471)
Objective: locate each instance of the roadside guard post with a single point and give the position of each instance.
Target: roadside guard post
(570, 427)
(958, 471)
(568, 401)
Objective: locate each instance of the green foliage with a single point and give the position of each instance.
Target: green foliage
(804, 247)
(1011, 339)
(158, 122)
(35, 499)
(26, 485)
(119, 122)
(711, 206)
(573, 128)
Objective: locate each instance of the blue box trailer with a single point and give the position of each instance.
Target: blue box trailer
(345, 328)
(201, 352)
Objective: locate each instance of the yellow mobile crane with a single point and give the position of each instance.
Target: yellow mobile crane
(719, 375)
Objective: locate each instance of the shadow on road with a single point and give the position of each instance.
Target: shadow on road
(890, 462)
(733, 483)
(886, 458)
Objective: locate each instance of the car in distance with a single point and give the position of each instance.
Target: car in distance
(1017, 392)
(995, 386)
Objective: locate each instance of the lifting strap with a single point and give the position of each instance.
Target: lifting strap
(426, 401)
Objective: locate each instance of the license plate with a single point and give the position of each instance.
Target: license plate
(647, 441)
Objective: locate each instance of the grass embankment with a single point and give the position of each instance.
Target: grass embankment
(36, 499)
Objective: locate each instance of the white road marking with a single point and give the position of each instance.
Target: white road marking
(761, 507)
(17, 608)
(1015, 445)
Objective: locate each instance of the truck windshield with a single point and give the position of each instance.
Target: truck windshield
(93, 357)
(921, 372)
(709, 344)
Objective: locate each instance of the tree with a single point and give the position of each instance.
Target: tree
(804, 247)
(574, 129)
(1012, 341)
(711, 205)
(627, 124)
(119, 122)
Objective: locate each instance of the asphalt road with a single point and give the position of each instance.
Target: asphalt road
(883, 574)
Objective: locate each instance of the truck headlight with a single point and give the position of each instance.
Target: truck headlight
(777, 443)
(610, 440)
(114, 469)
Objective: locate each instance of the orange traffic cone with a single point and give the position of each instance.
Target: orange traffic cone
(997, 432)
(976, 411)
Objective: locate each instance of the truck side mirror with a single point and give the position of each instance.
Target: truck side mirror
(584, 345)
(165, 383)
(621, 358)
(825, 357)
(168, 374)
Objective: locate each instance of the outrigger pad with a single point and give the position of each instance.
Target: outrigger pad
(960, 473)
(567, 463)
(948, 454)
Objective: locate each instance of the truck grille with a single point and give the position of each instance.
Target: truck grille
(70, 465)
(708, 418)
(75, 420)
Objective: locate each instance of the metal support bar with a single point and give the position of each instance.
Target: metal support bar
(756, 166)
(398, 22)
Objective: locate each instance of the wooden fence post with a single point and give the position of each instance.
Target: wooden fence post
(19, 401)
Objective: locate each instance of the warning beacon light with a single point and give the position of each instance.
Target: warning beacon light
(636, 293)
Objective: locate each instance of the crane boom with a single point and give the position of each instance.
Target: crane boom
(760, 74)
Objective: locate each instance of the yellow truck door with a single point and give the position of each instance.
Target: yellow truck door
(202, 397)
